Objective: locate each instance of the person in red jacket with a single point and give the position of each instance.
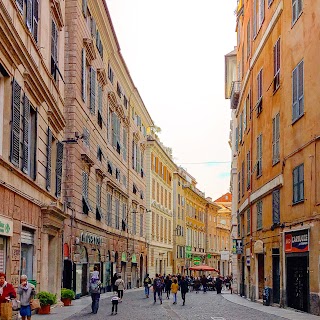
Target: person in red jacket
(6, 289)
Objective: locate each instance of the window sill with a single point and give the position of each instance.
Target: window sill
(294, 22)
(298, 202)
(297, 119)
(275, 163)
(277, 89)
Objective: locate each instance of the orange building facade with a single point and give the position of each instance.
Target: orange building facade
(276, 143)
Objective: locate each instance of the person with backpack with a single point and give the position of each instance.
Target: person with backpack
(157, 289)
(147, 283)
(95, 286)
(184, 289)
(168, 283)
(120, 285)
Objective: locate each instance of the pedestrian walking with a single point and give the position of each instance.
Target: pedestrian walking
(184, 289)
(115, 301)
(168, 283)
(218, 284)
(7, 291)
(174, 289)
(197, 284)
(147, 283)
(95, 289)
(204, 282)
(157, 289)
(113, 281)
(26, 292)
(120, 285)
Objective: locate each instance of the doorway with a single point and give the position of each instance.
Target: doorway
(298, 282)
(260, 258)
(276, 275)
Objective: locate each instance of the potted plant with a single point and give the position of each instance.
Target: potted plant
(66, 296)
(46, 300)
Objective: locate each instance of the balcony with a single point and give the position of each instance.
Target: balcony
(235, 94)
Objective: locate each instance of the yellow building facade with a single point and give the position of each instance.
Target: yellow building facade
(274, 96)
(160, 168)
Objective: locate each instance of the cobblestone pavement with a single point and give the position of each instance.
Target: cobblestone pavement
(198, 306)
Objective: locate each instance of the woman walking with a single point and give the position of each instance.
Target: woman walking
(120, 285)
(184, 289)
(174, 289)
(26, 291)
(168, 283)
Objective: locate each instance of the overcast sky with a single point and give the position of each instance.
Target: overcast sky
(174, 50)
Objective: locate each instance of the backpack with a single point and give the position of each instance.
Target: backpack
(95, 287)
(147, 281)
(158, 284)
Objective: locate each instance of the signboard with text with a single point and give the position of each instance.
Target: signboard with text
(297, 241)
(6, 227)
(237, 247)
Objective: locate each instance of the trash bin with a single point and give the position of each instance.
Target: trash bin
(266, 296)
(34, 282)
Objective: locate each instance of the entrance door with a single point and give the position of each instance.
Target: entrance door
(67, 274)
(276, 278)
(260, 275)
(298, 282)
(84, 279)
(242, 287)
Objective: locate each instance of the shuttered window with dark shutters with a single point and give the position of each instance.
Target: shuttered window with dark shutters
(84, 8)
(54, 49)
(84, 75)
(276, 206)
(49, 153)
(29, 5)
(20, 5)
(92, 90)
(59, 168)
(85, 193)
(297, 92)
(15, 124)
(100, 121)
(25, 135)
(35, 18)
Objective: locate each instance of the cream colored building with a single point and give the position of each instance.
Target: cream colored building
(31, 141)
(160, 168)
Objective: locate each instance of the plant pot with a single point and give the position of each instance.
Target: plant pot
(45, 309)
(66, 301)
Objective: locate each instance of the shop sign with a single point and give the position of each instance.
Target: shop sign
(134, 258)
(224, 255)
(196, 261)
(124, 257)
(188, 252)
(237, 247)
(209, 256)
(90, 238)
(6, 227)
(297, 241)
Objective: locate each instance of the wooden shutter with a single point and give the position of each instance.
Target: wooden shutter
(93, 27)
(248, 39)
(262, 5)
(300, 89)
(92, 90)
(29, 14)
(124, 144)
(84, 75)
(294, 10)
(49, 153)
(35, 18)
(59, 168)
(254, 18)
(25, 135)
(84, 8)
(276, 206)
(299, 7)
(277, 120)
(295, 94)
(114, 129)
(15, 124)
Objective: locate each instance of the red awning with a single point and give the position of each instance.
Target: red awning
(203, 268)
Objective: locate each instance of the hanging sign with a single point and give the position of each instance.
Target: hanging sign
(134, 258)
(6, 227)
(224, 255)
(297, 241)
(124, 257)
(237, 246)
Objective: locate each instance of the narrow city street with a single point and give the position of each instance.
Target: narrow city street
(198, 306)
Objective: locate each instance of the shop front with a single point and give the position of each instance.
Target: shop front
(134, 271)
(297, 269)
(6, 232)
(258, 250)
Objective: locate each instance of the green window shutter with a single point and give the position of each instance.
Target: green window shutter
(25, 146)
(84, 75)
(15, 124)
(92, 90)
(35, 18)
(59, 168)
(49, 153)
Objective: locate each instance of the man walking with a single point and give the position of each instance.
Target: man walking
(157, 289)
(147, 283)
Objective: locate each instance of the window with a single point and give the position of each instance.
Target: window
(117, 213)
(54, 50)
(100, 99)
(276, 139)
(259, 155)
(85, 193)
(276, 64)
(125, 102)
(258, 16)
(239, 228)
(241, 127)
(134, 222)
(248, 170)
(296, 10)
(276, 206)
(119, 90)
(124, 216)
(99, 154)
(245, 117)
(237, 138)
(248, 40)
(269, 3)
(99, 44)
(110, 167)
(84, 75)
(59, 168)
(242, 178)
(30, 11)
(98, 204)
(298, 184)
(239, 186)
(141, 224)
(109, 210)
(134, 189)
(248, 220)
(49, 159)
(297, 92)
(110, 74)
(259, 99)
(124, 144)
(23, 132)
(116, 132)
(86, 137)
(259, 215)
(118, 175)
(92, 90)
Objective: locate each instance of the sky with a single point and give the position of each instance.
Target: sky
(174, 50)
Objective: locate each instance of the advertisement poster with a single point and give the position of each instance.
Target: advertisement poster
(297, 241)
